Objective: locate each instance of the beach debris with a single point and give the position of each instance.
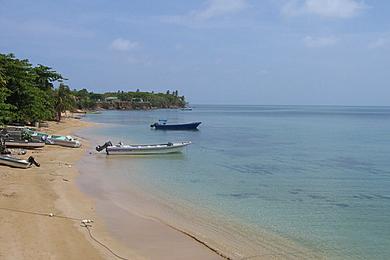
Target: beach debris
(86, 223)
(65, 179)
(51, 215)
(69, 165)
(22, 152)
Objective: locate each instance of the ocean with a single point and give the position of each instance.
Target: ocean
(315, 176)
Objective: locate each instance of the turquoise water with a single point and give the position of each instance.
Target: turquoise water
(316, 175)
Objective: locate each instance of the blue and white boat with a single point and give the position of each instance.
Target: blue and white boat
(162, 125)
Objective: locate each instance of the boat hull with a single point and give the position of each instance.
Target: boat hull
(146, 149)
(13, 162)
(26, 145)
(72, 144)
(187, 126)
(66, 141)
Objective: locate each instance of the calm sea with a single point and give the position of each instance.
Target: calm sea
(317, 175)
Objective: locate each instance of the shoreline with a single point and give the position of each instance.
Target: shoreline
(28, 196)
(210, 230)
(148, 227)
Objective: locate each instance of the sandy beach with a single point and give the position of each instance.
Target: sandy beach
(28, 196)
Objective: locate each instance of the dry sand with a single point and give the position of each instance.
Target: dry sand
(52, 189)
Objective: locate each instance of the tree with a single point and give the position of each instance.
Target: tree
(44, 77)
(64, 100)
(7, 111)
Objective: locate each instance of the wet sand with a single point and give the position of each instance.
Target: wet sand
(135, 213)
(28, 196)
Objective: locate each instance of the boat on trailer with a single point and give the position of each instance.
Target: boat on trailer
(18, 163)
(162, 125)
(142, 149)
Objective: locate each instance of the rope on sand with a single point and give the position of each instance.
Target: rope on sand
(84, 223)
(100, 243)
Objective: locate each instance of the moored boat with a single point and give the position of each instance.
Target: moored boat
(16, 162)
(142, 149)
(162, 125)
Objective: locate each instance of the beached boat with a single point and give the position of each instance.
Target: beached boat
(67, 141)
(162, 125)
(13, 143)
(123, 149)
(18, 163)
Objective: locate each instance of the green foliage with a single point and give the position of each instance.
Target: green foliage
(28, 94)
(63, 100)
(7, 113)
(158, 100)
(86, 100)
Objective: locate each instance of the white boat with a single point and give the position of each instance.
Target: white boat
(123, 149)
(16, 162)
(67, 141)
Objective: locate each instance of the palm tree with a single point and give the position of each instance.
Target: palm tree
(64, 100)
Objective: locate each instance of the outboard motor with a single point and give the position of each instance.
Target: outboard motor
(104, 146)
(32, 161)
(153, 125)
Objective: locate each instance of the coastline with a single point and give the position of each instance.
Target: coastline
(27, 197)
(120, 203)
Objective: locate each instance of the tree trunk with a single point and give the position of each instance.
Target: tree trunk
(58, 115)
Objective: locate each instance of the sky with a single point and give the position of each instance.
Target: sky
(270, 52)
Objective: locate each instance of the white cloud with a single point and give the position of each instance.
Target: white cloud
(218, 8)
(120, 44)
(379, 43)
(324, 8)
(317, 42)
(213, 8)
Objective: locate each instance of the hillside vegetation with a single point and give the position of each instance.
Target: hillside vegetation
(36, 93)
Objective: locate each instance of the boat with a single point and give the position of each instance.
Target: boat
(24, 144)
(61, 140)
(162, 125)
(18, 163)
(186, 109)
(67, 141)
(134, 149)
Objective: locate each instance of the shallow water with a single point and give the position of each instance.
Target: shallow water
(319, 176)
